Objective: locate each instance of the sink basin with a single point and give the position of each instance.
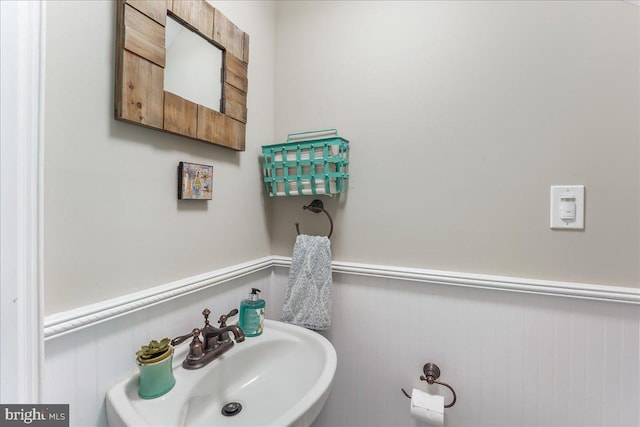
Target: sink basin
(281, 378)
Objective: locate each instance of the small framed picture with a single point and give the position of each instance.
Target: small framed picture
(195, 182)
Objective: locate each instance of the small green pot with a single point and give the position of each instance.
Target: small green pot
(156, 376)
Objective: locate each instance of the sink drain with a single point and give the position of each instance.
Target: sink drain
(231, 409)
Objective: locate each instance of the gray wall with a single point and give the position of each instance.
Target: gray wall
(460, 116)
(113, 224)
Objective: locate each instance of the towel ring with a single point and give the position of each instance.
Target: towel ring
(317, 206)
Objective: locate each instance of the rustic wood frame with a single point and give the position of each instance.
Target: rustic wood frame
(140, 97)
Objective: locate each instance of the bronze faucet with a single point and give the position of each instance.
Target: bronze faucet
(215, 341)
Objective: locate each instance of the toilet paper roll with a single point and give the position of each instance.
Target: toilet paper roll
(428, 408)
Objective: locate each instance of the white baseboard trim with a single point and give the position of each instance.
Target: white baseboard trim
(69, 321)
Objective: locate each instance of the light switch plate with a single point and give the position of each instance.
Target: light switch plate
(563, 190)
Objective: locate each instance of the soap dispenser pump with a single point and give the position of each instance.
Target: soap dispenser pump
(252, 314)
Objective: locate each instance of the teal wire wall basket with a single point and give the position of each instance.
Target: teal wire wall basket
(309, 163)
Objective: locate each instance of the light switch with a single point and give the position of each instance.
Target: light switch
(567, 207)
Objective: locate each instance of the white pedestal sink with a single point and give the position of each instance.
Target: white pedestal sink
(281, 378)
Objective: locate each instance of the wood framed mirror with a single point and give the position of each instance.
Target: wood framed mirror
(141, 58)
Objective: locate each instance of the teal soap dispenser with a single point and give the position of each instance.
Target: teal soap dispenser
(252, 314)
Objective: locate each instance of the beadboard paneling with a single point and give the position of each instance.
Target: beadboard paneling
(515, 359)
(82, 364)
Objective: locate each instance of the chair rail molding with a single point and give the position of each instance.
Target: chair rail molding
(59, 324)
(490, 282)
(66, 322)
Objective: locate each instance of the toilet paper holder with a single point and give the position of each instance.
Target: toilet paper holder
(431, 374)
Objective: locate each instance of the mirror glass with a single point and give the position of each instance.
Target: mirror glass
(193, 66)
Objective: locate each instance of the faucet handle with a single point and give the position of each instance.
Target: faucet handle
(195, 348)
(206, 312)
(179, 340)
(223, 319)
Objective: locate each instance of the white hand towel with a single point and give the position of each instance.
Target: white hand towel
(308, 299)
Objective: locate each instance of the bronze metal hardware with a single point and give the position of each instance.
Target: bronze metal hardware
(195, 348)
(317, 206)
(222, 323)
(179, 340)
(214, 343)
(431, 374)
(223, 319)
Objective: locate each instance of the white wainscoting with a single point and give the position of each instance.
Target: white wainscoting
(542, 354)
(514, 358)
(81, 364)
